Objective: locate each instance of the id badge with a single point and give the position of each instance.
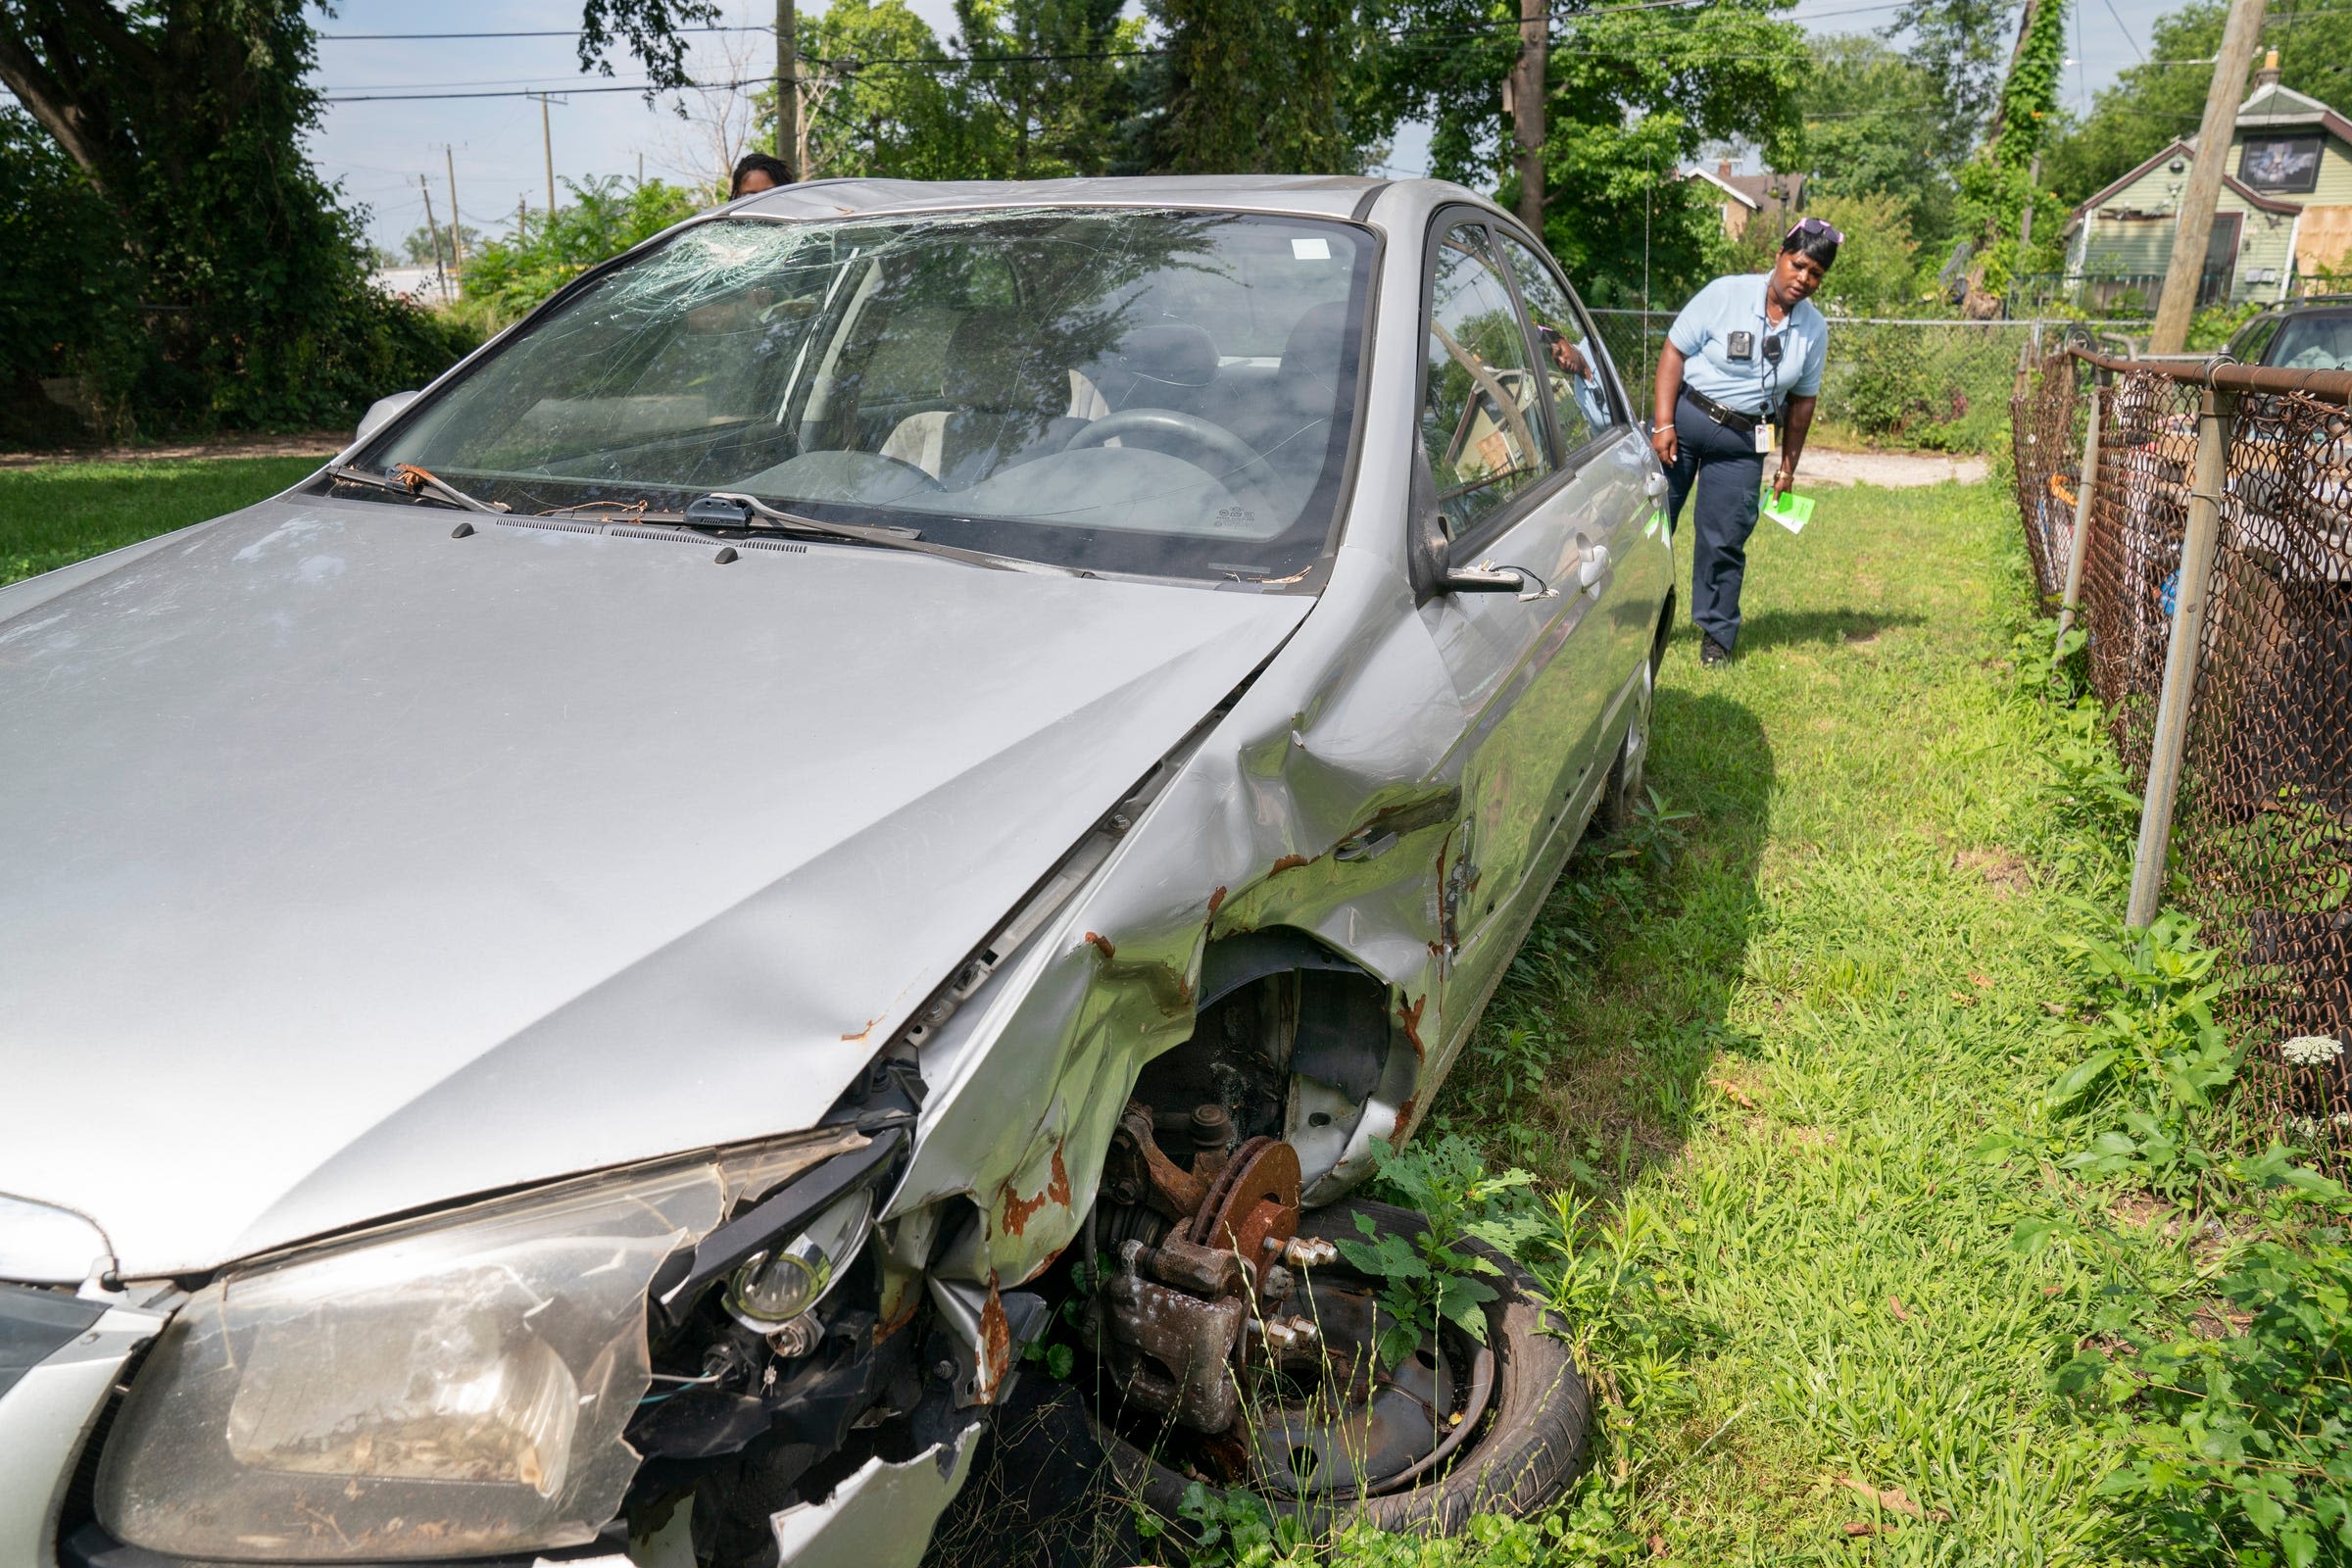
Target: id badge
(1764, 437)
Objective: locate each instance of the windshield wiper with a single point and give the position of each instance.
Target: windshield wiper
(410, 480)
(733, 510)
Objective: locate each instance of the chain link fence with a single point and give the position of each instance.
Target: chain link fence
(1943, 385)
(2258, 737)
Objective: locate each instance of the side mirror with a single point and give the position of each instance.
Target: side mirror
(1488, 579)
(379, 413)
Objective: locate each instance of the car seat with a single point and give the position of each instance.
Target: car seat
(1008, 409)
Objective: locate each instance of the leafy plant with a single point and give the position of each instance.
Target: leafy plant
(606, 217)
(1434, 1276)
(2237, 1424)
(2140, 1100)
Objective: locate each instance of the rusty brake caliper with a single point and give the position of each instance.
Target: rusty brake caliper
(1187, 1320)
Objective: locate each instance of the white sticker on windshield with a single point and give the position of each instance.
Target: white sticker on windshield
(1310, 250)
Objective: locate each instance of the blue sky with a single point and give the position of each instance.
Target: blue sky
(377, 149)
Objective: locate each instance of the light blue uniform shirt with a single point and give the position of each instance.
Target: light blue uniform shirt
(1753, 385)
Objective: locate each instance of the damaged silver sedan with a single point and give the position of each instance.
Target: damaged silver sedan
(905, 774)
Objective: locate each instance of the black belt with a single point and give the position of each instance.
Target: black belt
(1728, 419)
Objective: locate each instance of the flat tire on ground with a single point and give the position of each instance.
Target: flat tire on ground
(1531, 1450)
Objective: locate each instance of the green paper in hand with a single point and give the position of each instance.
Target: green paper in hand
(1789, 510)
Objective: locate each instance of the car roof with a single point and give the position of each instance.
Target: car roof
(1327, 196)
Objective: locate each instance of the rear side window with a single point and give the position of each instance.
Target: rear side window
(1571, 366)
(2313, 342)
(1482, 424)
(2252, 338)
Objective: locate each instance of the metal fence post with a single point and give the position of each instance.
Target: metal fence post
(2080, 544)
(2182, 656)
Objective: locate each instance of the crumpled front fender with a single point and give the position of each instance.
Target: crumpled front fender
(1289, 813)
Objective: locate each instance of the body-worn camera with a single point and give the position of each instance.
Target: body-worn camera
(1741, 346)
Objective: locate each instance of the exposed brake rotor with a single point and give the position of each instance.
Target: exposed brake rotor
(1253, 1207)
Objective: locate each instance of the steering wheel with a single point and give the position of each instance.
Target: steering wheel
(1232, 462)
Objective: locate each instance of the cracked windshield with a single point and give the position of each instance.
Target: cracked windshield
(1151, 392)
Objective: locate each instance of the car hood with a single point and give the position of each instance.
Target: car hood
(354, 867)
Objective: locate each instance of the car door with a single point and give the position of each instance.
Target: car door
(1530, 678)
(1627, 573)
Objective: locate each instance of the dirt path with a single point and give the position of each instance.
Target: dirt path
(307, 444)
(1896, 470)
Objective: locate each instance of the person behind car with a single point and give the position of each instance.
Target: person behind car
(755, 172)
(1746, 353)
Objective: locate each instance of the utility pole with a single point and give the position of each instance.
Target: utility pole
(457, 228)
(2186, 270)
(1523, 93)
(788, 87)
(522, 211)
(547, 148)
(434, 230)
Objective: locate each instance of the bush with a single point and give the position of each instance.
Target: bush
(507, 278)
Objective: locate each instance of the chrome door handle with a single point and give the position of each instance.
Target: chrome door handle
(1653, 485)
(1594, 566)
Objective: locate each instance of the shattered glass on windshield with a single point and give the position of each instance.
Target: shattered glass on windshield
(1127, 390)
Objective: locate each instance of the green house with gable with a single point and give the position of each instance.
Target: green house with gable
(2286, 208)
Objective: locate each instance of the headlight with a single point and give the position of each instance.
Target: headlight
(771, 1288)
(449, 1387)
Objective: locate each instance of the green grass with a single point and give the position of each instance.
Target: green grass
(1773, 1061)
(56, 514)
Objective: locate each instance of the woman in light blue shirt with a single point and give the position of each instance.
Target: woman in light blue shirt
(1745, 355)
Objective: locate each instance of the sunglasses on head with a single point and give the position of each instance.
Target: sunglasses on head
(1810, 226)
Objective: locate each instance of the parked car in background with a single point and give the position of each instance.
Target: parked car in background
(902, 771)
(2306, 334)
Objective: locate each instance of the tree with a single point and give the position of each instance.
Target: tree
(1998, 186)
(2153, 103)
(505, 277)
(416, 249)
(1879, 263)
(1047, 83)
(1873, 127)
(1962, 45)
(1633, 94)
(887, 104)
(186, 119)
(1261, 86)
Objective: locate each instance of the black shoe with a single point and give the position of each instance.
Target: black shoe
(1712, 652)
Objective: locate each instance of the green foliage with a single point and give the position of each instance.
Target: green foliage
(1996, 187)
(69, 292)
(1237, 1530)
(1874, 130)
(1045, 117)
(2231, 1421)
(1259, 86)
(2152, 104)
(1938, 387)
(2150, 1062)
(889, 122)
(2239, 1445)
(1632, 95)
(416, 249)
(1879, 261)
(2213, 325)
(1432, 1276)
(1960, 45)
(507, 277)
(236, 280)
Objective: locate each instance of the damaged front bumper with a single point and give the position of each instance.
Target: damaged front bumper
(63, 1359)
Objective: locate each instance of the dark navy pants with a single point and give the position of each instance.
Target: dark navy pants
(1728, 472)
